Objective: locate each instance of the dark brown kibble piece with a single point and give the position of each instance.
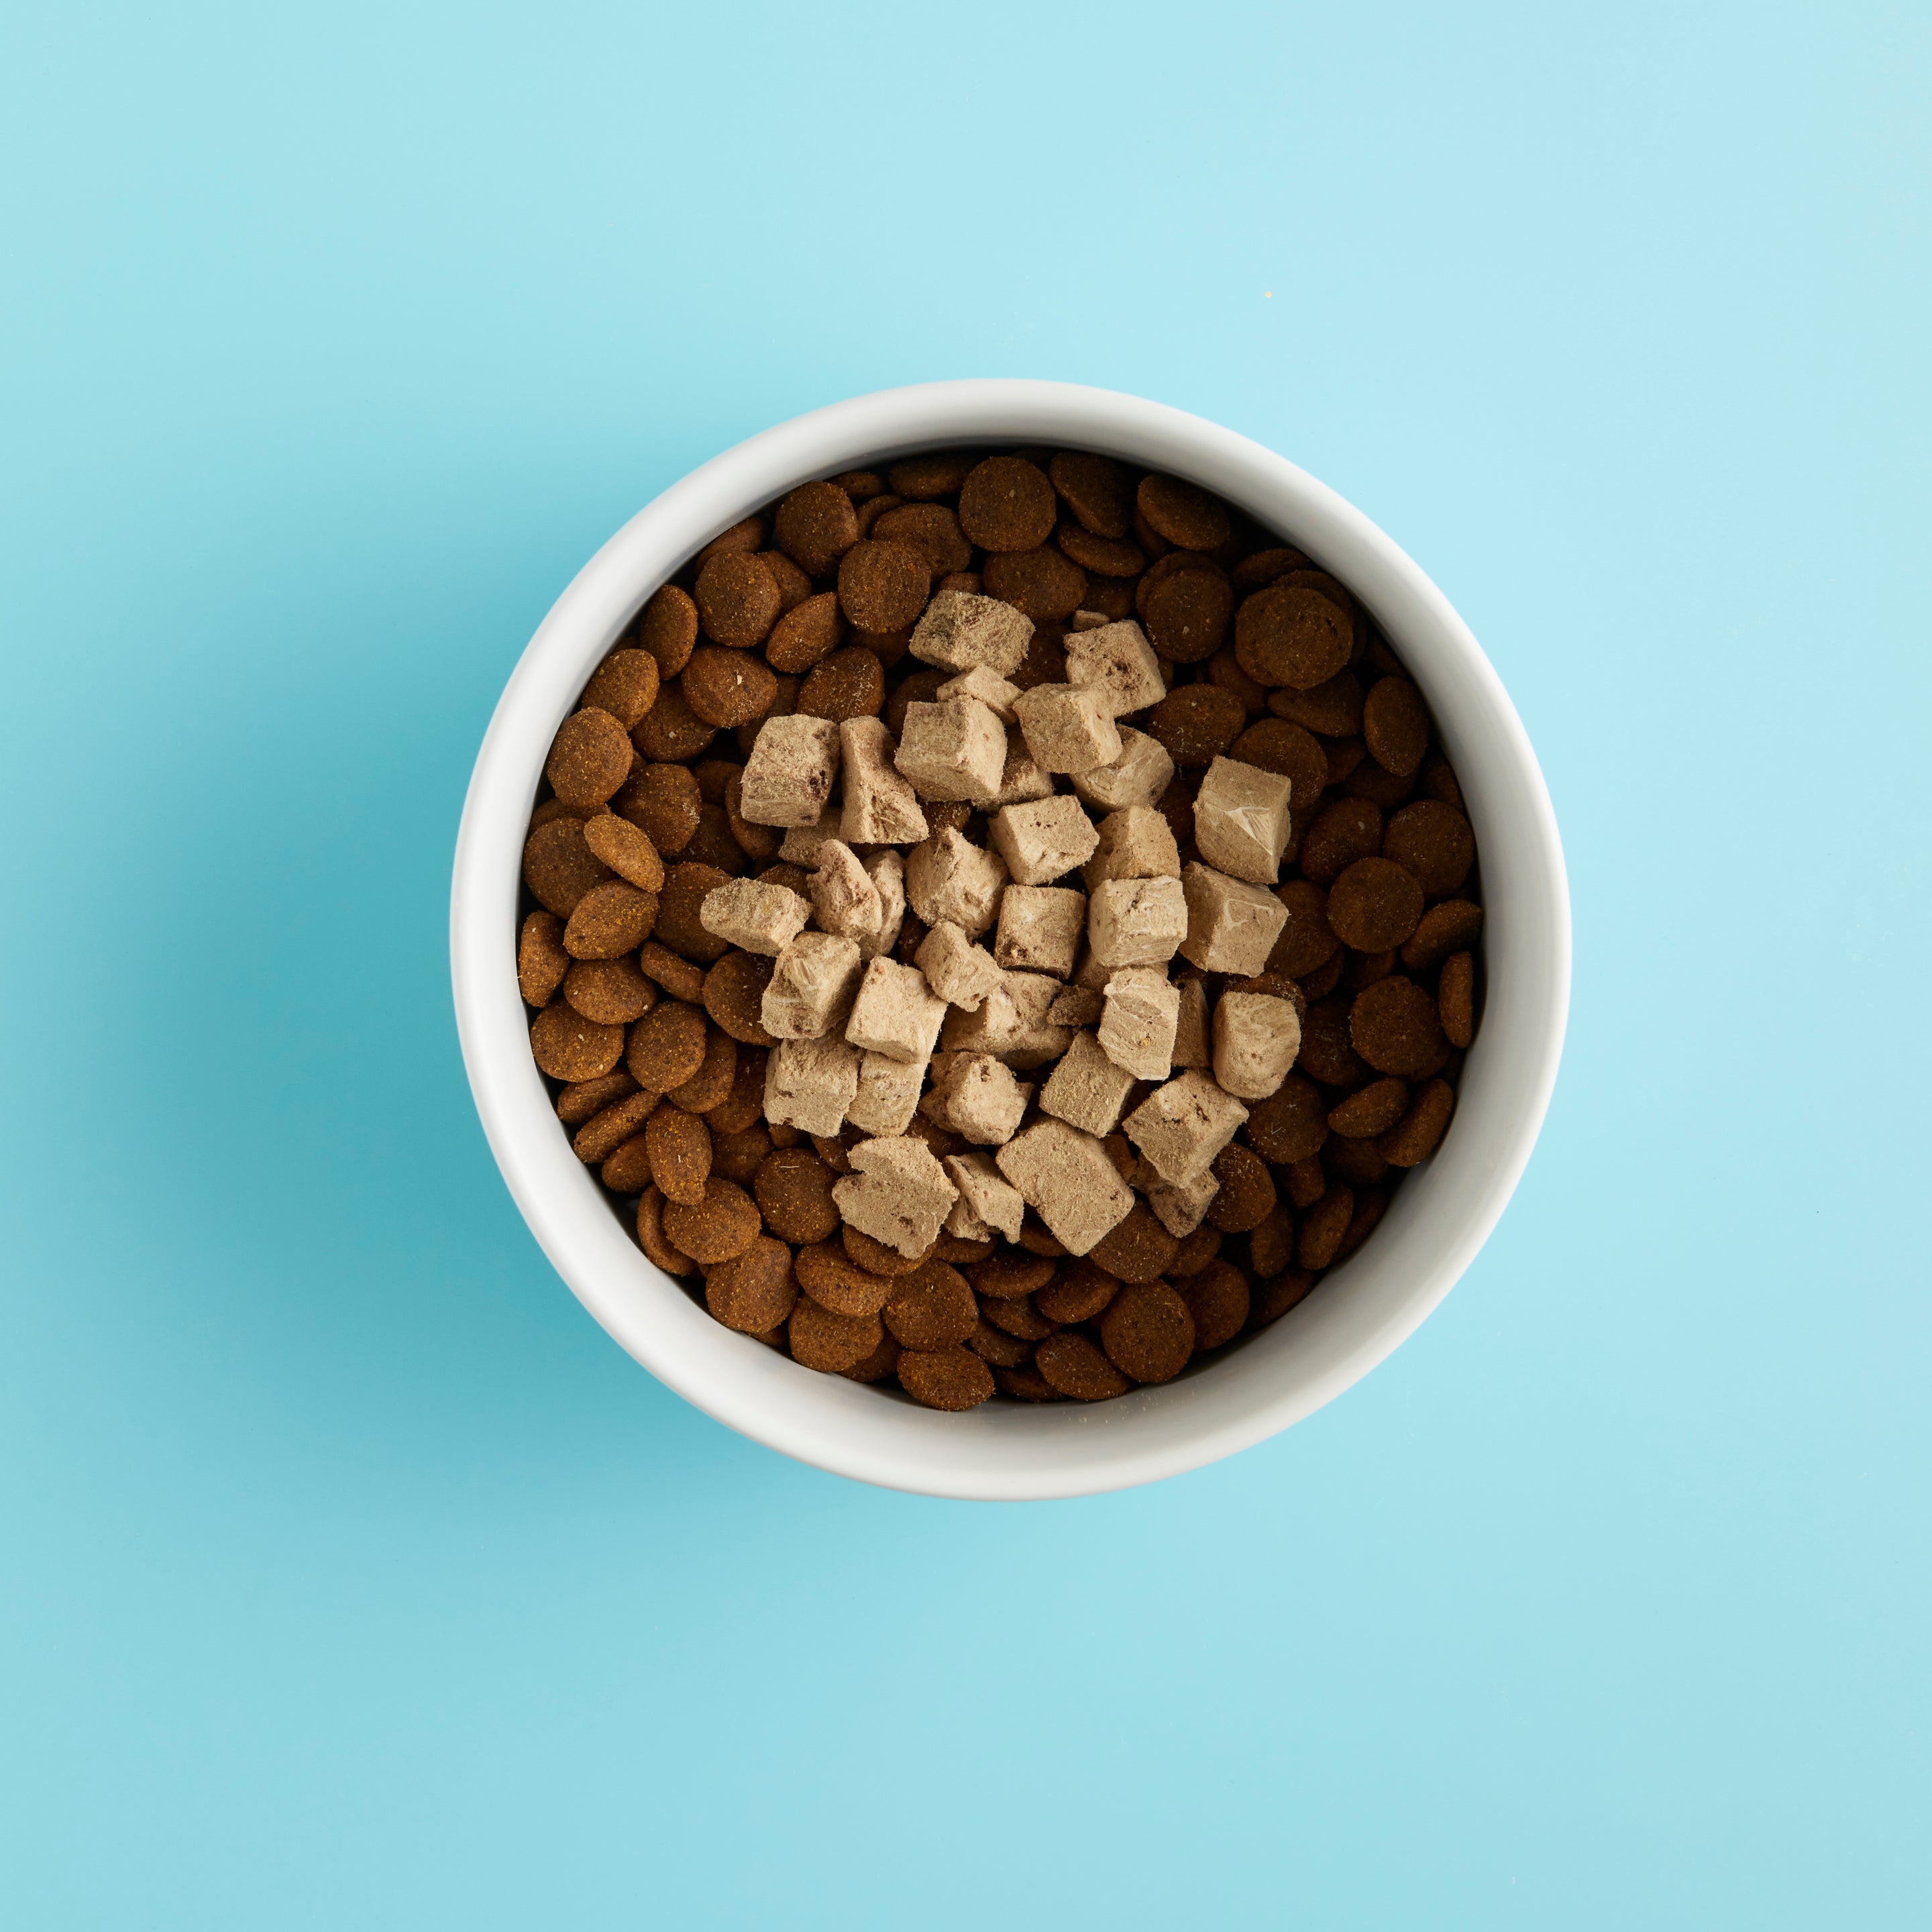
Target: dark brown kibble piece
(1290, 1124)
(541, 962)
(794, 587)
(679, 1146)
(1373, 1110)
(679, 977)
(736, 1157)
(1007, 504)
(611, 992)
(1044, 583)
(1017, 1315)
(1364, 969)
(1450, 927)
(626, 849)
(1395, 725)
(1307, 942)
(880, 1366)
(815, 526)
(1414, 1137)
(831, 1277)
(1286, 635)
(1082, 1291)
(1106, 556)
(712, 845)
(1197, 1250)
(1349, 829)
(995, 1346)
(1327, 1053)
(1186, 614)
(678, 925)
(1275, 1297)
(1246, 1195)
(1353, 1163)
(1456, 992)
(805, 633)
(1305, 1183)
(1265, 566)
(666, 627)
(1072, 1364)
(1323, 1226)
(727, 688)
(653, 1239)
(604, 1133)
(1147, 1332)
(1025, 1384)
(874, 1257)
(932, 1308)
(1367, 779)
(559, 868)
(1097, 490)
(1275, 745)
(1010, 1272)
(949, 1378)
(1438, 779)
(612, 918)
(627, 1171)
(848, 684)
(938, 472)
(831, 1343)
(738, 600)
(719, 1227)
(1432, 841)
(733, 995)
(755, 1292)
(662, 801)
(1394, 1026)
(670, 732)
(794, 1188)
(625, 685)
(744, 1105)
(667, 1046)
(1217, 1298)
(1374, 904)
(1224, 670)
(1197, 723)
(567, 1046)
(1333, 709)
(717, 1074)
(756, 842)
(1111, 598)
(741, 539)
(1371, 1204)
(1138, 1249)
(550, 808)
(1184, 513)
(1271, 1246)
(931, 529)
(883, 586)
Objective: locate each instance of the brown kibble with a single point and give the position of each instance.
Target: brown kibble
(1007, 504)
(667, 1046)
(1323, 1227)
(995, 1346)
(755, 1292)
(1097, 490)
(1395, 725)
(584, 1099)
(1394, 1026)
(1246, 1196)
(1005, 1274)
(626, 848)
(670, 732)
(733, 995)
(738, 600)
(1080, 1294)
(1074, 1366)
(1224, 670)
(949, 1378)
(611, 992)
(1414, 1137)
(1106, 556)
(1367, 779)
(679, 977)
(719, 1227)
(1373, 1111)
(678, 926)
(742, 539)
(1217, 1298)
(1291, 635)
(1333, 709)
(1196, 724)
(931, 529)
(932, 1308)
(1187, 515)
(1271, 1246)
(1110, 597)
(1456, 993)
(1291, 1124)
(1450, 927)
(625, 685)
(815, 526)
(1344, 754)
(1025, 1384)
(831, 1343)
(604, 1133)
(794, 587)
(1045, 583)
(727, 688)
(756, 842)
(1328, 1054)
(1438, 780)
(744, 1105)
(550, 808)
(1265, 566)
(541, 962)
(736, 1157)
(1186, 614)
(882, 1364)
(717, 1074)
(1147, 1332)
(612, 918)
(1275, 1297)
(804, 634)
(1197, 1250)
(559, 868)
(1364, 969)
(1137, 1249)
(567, 1046)
(1432, 842)
(883, 586)
(662, 801)
(833, 1279)
(1307, 1183)
(627, 1170)
(1374, 904)
(666, 627)
(1017, 1315)
(848, 684)
(1353, 1163)
(874, 1256)
(653, 1239)
(679, 1146)
(1274, 745)
(793, 1188)
(936, 473)
(1305, 944)
(712, 845)
(1349, 829)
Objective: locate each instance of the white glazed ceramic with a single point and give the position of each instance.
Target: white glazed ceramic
(1360, 1313)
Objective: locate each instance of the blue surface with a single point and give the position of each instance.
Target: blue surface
(349, 1576)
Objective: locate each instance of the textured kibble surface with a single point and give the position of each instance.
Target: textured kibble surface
(850, 1146)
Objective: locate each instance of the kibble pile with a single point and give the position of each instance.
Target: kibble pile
(1004, 925)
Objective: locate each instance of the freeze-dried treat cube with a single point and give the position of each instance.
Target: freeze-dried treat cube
(789, 776)
(989, 1203)
(1137, 776)
(961, 974)
(1181, 1127)
(1042, 840)
(1012, 1024)
(1069, 1182)
(896, 1013)
(1231, 926)
(1181, 1209)
(1022, 780)
(897, 1192)
(803, 844)
(885, 868)
(843, 898)
(880, 807)
(888, 1095)
(1256, 1037)
(1241, 821)
(953, 751)
(986, 684)
(761, 919)
(1190, 1029)
(947, 877)
(1117, 662)
(1067, 726)
(1039, 929)
(810, 1083)
(975, 1095)
(1135, 843)
(1086, 1090)
(1077, 1007)
(1137, 1028)
(812, 983)
(1137, 922)
(960, 629)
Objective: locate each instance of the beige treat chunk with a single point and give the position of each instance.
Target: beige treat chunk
(1241, 821)
(1137, 922)
(1138, 776)
(989, 1204)
(1042, 840)
(1135, 843)
(975, 1095)
(1181, 1127)
(1088, 971)
(897, 1192)
(896, 1013)
(1069, 1182)
(761, 919)
(948, 878)
(885, 868)
(1181, 1209)
(844, 899)
(1117, 662)
(812, 984)
(960, 629)
(1077, 1007)
(880, 807)
(953, 751)
(803, 844)
(986, 684)
(1256, 1037)
(888, 1095)
(1231, 926)
(1021, 780)
(1088, 620)
(810, 1083)
(1039, 929)
(1137, 1029)
(1190, 1030)
(1067, 728)
(1012, 1024)
(1086, 1090)
(789, 776)
(960, 973)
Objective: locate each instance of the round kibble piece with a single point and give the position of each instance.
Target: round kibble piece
(1275, 745)
(1275, 1297)
(1413, 1138)
(794, 1188)
(719, 1227)
(1349, 829)
(883, 586)
(745, 536)
(1455, 994)
(746, 1104)
(1197, 1250)
(804, 634)
(1137, 1249)
(1080, 1293)
(662, 801)
(651, 1238)
(874, 1257)
(1395, 725)
(734, 992)
(995, 1346)
(541, 962)
(848, 684)
(1045, 583)
(831, 1343)
(666, 627)
(625, 685)
(738, 600)
(1025, 1384)
(1450, 927)
(1007, 504)
(1017, 1315)
(712, 845)
(932, 1308)
(1366, 779)
(559, 868)
(1074, 1366)
(1326, 1053)
(1306, 943)
(1373, 1111)
(1323, 1227)
(882, 1362)
(670, 732)
(1394, 1026)
(727, 688)
(938, 472)
(717, 1075)
(755, 1293)
(678, 926)
(931, 529)
(1287, 635)
(584, 1098)
(1246, 1195)
(567, 1046)
(738, 1156)
(1096, 489)
(679, 1146)
(1265, 566)
(611, 992)
(950, 1378)
(1374, 904)
(612, 918)
(1432, 841)
(815, 526)
(1184, 513)
(794, 587)
(830, 1276)
(1333, 708)
(1271, 1246)
(1106, 556)
(1217, 1298)
(627, 1171)
(1357, 1163)
(1197, 723)
(626, 849)
(1010, 1272)
(668, 1044)
(1187, 614)
(1147, 1332)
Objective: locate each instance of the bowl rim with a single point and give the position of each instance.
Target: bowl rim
(1361, 1312)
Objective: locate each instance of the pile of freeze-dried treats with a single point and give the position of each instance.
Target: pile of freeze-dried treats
(1005, 923)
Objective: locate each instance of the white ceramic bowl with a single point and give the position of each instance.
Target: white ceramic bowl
(1364, 1309)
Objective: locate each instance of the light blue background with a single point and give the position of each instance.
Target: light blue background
(349, 1576)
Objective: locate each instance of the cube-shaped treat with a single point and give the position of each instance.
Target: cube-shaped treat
(1241, 821)
(1041, 840)
(989, 1203)
(1077, 1007)
(761, 919)
(1231, 926)
(885, 868)
(888, 1095)
(803, 844)
(1022, 780)
(1086, 1090)
(1256, 1037)
(975, 1095)
(1139, 775)
(880, 807)
(1069, 1182)
(960, 973)
(1136, 921)
(789, 776)
(1067, 728)
(1181, 1127)
(948, 877)
(811, 986)
(960, 629)
(1117, 660)
(953, 751)
(1181, 1209)
(897, 1192)
(986, 684)
(1137, 1028)
(1136, 843)
(896, 1013)
(1190, 1029)
(1039, 929)
(843, 898)
(1012, 1024)
(809, 1084)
